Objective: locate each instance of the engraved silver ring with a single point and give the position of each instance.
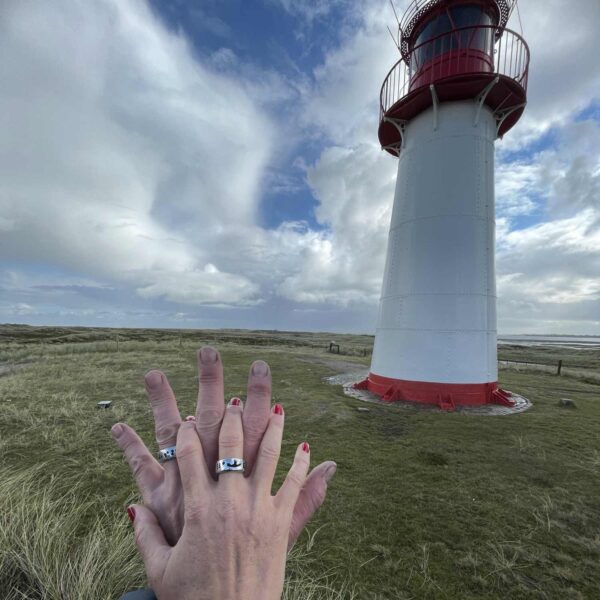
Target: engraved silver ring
(167, 454)
(230, 464)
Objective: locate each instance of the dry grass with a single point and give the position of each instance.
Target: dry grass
(424, 505)
(57, 542)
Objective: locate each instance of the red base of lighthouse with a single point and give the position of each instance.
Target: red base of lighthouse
(446, 395)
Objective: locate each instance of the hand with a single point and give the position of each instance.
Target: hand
(160, 485)
(235, 533)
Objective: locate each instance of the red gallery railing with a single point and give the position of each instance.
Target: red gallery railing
(460, 52)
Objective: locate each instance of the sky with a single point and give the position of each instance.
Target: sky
(215, 163)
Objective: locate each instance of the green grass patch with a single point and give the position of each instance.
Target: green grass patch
(425, 504)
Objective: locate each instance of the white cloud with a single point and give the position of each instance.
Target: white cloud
(309, 10)
(206, 286)
(122, 154)
(564, 73)
(345, 264)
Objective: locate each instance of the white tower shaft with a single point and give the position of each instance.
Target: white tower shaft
(437, 315)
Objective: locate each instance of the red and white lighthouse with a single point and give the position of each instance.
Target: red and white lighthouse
(460, 84)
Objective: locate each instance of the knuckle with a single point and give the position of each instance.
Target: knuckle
(129, 444)
(208, 419)
(315, 497)
(296, 479)
(230, 440)
(186, 450)
(167, 432)
(196, 511)
(257, 387)
(255, 426)
(140, 537)
(139, 463)
(159, 396)
(209, 375)
(269, 452)
(226, 508)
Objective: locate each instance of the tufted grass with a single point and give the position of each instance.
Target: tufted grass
(424, 505)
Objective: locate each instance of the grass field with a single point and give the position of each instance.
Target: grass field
(424, 504)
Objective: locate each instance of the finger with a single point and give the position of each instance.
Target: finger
(231, 437)
(146, 469)
(310, 499)
(150, 540)
(211, 406)
(256, 411)
(290, 489)
(164, 408)
(269, 451)
(193, 471)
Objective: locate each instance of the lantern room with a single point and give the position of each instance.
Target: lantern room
(454, 50)
(453, 39)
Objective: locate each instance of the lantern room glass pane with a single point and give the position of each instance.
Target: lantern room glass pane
(437, 26)
(472, 15)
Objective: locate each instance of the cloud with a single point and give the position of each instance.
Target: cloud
(208, 286)
(345, 263)
(343, 103)
(564, 75)
(309, 10)
(122, 154)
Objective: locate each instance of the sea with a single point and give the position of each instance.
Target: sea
(572, 341)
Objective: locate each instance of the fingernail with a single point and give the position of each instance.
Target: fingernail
(117, 430)
(190, 418)
(208, 355)
(278, 409)
(330, 472)
(260, 368)
(234, 402)
(153, 379)
(131, 513)
(305, 447)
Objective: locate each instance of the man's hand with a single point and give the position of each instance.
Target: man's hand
(160, 484)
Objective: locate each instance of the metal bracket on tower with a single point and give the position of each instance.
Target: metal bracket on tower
(480, 99)
(502, 114)
(434, 98)
(400, 125)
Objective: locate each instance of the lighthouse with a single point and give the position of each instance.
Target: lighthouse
(460, 84)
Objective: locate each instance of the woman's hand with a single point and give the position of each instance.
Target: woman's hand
(160, 485)
(235, 533)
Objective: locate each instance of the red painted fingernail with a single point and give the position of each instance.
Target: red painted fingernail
(235, 402)
(278, 409)
(305, 447)
(131, 513)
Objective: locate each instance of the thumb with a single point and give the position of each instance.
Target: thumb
(150, 540)
(310, 499)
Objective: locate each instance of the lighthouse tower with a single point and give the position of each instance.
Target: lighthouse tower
(460, 84)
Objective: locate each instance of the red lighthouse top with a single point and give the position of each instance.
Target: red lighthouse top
(454, 50)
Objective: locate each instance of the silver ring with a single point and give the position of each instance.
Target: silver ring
(230, 464)
(167, 454)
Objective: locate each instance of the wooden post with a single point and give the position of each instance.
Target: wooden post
(117, 338)
(180, 341)
(559, 367)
